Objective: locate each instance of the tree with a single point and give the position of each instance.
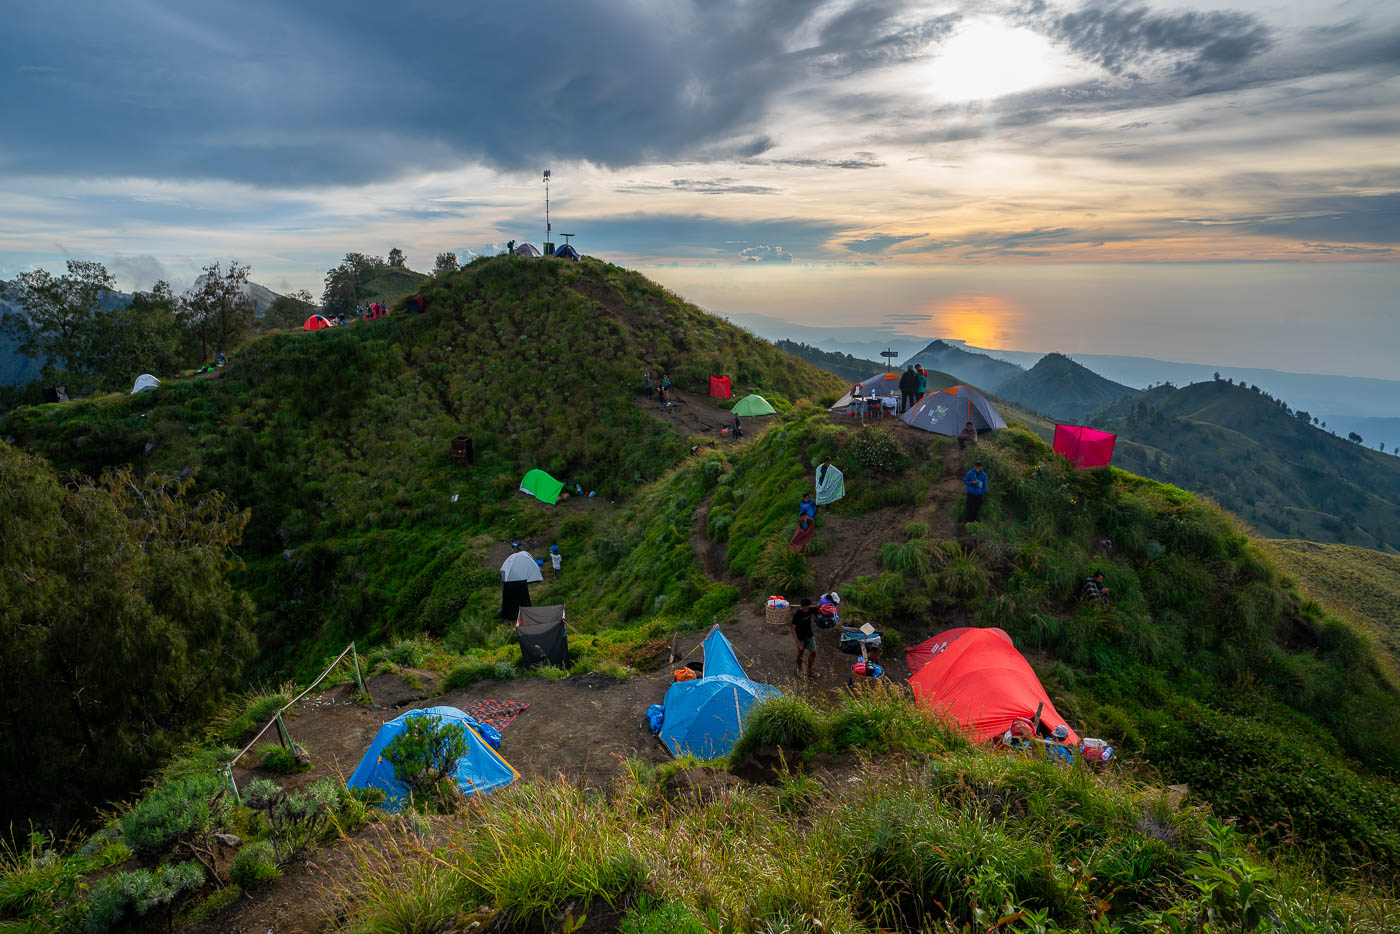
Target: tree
(445, 262)
(147, 336)
(218, 308)
(1353, 437)
(57, 324)
(1217, 376)
(119, 634)
(342, 289)
(396, 257)
(1304, 417)
(289, 311)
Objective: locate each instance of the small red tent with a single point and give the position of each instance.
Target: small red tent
(315, 323)
(976, 677)
(1084, 447)
(719, 387)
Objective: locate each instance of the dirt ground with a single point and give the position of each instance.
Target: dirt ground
(584, 727)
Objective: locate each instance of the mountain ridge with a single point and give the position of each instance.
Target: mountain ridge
(1062, 388)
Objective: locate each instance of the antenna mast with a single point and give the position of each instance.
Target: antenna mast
(547, 228)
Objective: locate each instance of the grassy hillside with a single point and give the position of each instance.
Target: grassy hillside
(1277, 472)
(849, 368)
(1063, 389)
(1357, 581)
(338, 441)
(390, 285)
(967, 367)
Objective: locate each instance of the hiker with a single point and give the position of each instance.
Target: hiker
(867, 670)
(648, 387)
(802, 619)
(738, 431)
(976, 483)
(220, 359)
(556, 560)
(807, 507)
(967, 436)
(831, 485)
(1094, 590)
(664, 393)
(908, 387)
(923, 380)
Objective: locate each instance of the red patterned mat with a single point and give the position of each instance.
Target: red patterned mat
(494, 713)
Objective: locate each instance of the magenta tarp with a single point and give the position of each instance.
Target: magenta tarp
(1085, 447)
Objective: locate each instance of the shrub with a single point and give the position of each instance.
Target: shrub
(295, 820)
(172, 810)
(211, 905)
(647, 917)
(875, 449)
(139, 892)
(787, 720)
(912, 559)
(254, 865)
(781, 570)
(248, 713)
(964, 577)
(273, 757)
(426, 753)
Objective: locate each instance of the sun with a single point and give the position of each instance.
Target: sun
(988, 58)
(979, 319)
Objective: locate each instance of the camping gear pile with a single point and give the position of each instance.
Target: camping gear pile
(775, 610)
(704, 716)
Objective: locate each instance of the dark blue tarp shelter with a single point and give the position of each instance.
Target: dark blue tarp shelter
(482, 770)
(704, 717)
(567, 252)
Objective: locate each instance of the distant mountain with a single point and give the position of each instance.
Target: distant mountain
(849, 368)
(978, 369)
(260, 295)
(1061, 388)
(1281, 474)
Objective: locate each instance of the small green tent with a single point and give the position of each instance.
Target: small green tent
(541, 486)
(753, 405)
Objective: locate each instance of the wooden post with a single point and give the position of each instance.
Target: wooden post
(1035, 724)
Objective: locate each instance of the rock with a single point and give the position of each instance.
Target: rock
(228, 840)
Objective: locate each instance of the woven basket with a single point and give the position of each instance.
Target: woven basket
(776, 615)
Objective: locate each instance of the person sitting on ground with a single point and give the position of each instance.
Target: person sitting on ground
(865, 671)
(807, 507)
(967, 436)
(803, 619)
(1094, 590)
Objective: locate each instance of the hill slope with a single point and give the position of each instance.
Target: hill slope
(975, 368)
(1277, 472)
(1358, 581)
(1061, 388)
(849, 368)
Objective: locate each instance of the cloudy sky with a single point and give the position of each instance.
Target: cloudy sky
(1180, 179)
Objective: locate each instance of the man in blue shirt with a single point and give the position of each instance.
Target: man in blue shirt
(976, 483)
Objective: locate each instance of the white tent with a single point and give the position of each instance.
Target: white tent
(526, 249)
(521, 566)
(144, 382)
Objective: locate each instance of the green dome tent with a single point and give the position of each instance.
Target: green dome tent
(753, 405)
(541, 486)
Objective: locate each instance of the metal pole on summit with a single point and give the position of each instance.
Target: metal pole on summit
(547, 228)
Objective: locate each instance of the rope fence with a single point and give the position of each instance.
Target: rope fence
(284, 736)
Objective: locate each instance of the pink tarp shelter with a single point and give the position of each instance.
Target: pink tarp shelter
(1085, 447)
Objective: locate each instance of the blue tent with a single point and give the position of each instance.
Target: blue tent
(481, 770)
(704, 717)
(567, 252)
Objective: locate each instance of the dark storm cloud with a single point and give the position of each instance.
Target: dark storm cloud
(316, 92)
(1130, 38)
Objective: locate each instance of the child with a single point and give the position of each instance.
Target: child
(556, 560)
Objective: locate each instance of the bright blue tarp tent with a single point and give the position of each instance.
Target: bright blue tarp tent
(481, 770)
(704, 717)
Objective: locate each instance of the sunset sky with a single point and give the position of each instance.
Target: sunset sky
(1179, 180)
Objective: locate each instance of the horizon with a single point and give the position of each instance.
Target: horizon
(1124, 178)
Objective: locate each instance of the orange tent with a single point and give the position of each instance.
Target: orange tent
(315, 323)
(976, 677)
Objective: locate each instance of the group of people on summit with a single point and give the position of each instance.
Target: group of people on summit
(913, 386)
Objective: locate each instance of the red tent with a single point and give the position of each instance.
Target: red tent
(315, 323)
(719, 387)
(1084, 447)
(976, 677)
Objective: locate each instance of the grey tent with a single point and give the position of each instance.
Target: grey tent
(946, 412)
(526, 249)
(144, 382)
(882, 385)
(516, 573)
(543, 636)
